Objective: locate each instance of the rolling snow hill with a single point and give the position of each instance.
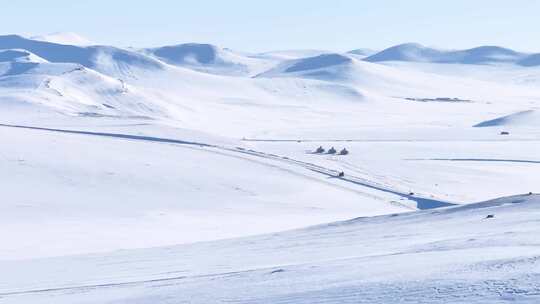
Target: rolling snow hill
(452, 255)
(151, 173)
(83, 190)
(106, 59)
(530, 61)
(530, 118)
(362, 53)
(68, 88)
(481, 55)
(379, 81)
(210, 59)
(329, 66)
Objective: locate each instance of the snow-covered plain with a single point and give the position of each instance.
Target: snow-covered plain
(452, 255)
(169, 174)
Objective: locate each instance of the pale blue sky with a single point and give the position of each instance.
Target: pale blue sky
(283, 24)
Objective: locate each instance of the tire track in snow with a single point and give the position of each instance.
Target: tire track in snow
(220, 150)
(422, 202)
(87, 287)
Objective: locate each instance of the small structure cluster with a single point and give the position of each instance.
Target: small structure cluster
(321, 150)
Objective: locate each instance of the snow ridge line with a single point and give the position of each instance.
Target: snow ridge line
(422, 201)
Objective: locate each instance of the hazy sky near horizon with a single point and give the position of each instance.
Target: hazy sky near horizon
(279, 24)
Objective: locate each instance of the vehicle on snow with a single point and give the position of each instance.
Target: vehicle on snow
(344, 152)
(320, 150)
(332, 151)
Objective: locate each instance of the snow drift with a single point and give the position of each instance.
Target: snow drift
(529, 118)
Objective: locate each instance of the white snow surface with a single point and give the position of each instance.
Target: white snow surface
(415, 52)
(451, 255)
(187, 174)
(208, 58)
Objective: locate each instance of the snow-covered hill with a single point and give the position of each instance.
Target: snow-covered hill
(135, 192)
(378, 80)
(68, 88)
(481, 55)
(362, 53)
(211, 59)
(110, 154)
(529, 118)
(201, 80)
(483, 252)
(530, 61)
(331, 67)
(106, 59)
(313, 63)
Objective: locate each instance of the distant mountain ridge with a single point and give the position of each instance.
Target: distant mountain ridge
(363, 52)
(107, 59)
(414, 52)
(531, 60)
(171, 83)
(209, 58)
(329, 66)
(189, 53)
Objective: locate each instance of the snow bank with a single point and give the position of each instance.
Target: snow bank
(530, 118)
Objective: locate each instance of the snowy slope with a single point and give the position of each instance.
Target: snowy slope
(314, 63)
(106, 59)
(507, 74)
(362, 53)
(68, 88)
(530, 118)
(211, 59)
(531, 60)
(419, 53)
(110, 152)
(439, 162)
(98, 193)
(452, 255)
(322, 86)
(380, 80)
